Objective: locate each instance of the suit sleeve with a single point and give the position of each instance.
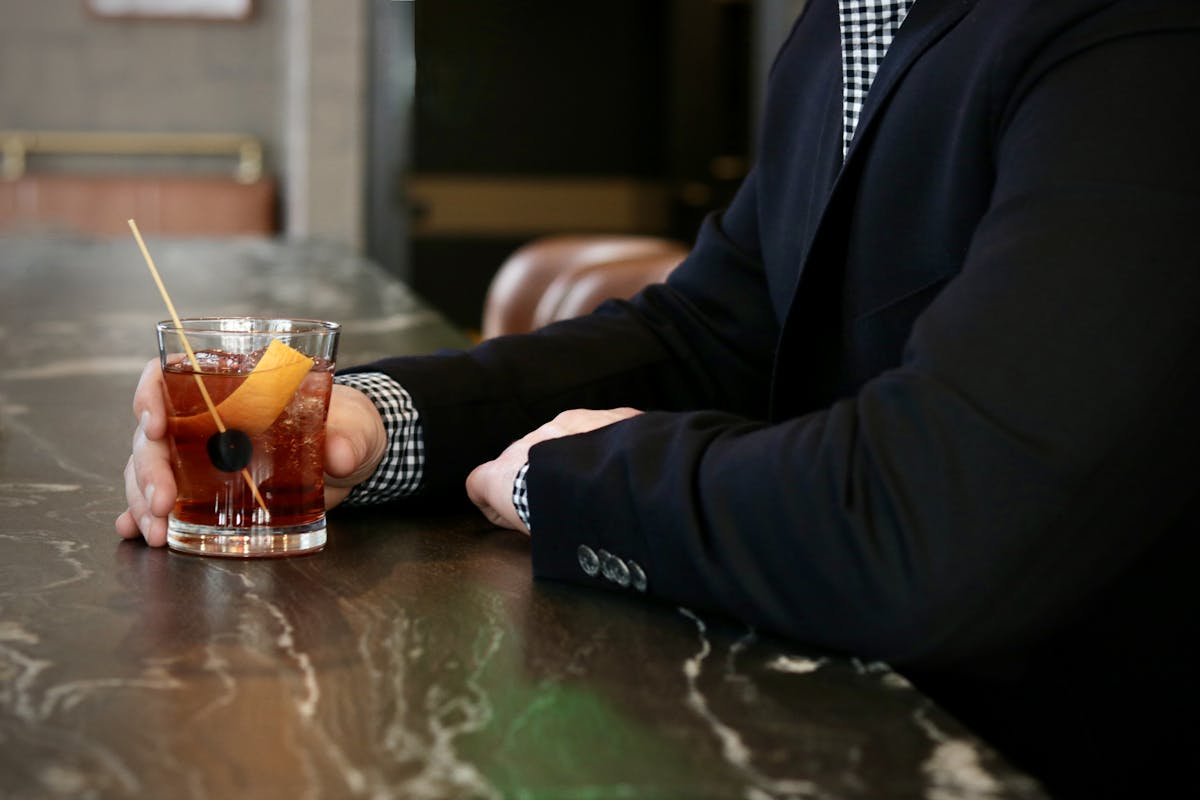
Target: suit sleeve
(1038, 435)
(672, 348)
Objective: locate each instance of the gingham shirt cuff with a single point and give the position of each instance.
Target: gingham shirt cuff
(521, 496)
(403, 464)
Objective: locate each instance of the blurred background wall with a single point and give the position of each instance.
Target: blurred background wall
(435, 135)
(536, 117)
(291, 74)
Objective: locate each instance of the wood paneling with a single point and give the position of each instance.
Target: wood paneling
(526, 206)
(162, 205)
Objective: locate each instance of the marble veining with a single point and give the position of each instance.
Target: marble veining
(887, 676)
(733, 748)
(66, 553)
(954, 768)
(34, 441)
(415, 657)
(795, 665)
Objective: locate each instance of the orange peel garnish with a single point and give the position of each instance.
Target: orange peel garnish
(258, 402)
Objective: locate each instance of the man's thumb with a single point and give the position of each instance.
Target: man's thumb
(355, 439)
(342, 458)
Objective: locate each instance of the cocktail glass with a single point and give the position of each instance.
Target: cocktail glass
(247, 458)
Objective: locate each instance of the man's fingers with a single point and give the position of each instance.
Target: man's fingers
(126, 527)
(490, 486)
(149, 478)
(482, 483)
(149, 483)
(581, 420)
(149, 493)
(149, 407)
(477, 486)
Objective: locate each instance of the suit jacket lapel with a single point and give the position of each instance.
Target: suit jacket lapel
(926, 22)
(818, 277)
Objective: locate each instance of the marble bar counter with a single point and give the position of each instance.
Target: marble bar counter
(414, 657)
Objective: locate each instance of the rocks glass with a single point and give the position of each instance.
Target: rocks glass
(246, 401)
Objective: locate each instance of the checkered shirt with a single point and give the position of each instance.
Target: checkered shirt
(868, 27)
(403, 464)
(521, 495)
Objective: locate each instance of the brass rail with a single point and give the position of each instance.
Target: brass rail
(15, 145)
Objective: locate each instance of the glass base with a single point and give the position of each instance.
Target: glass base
(262, 542)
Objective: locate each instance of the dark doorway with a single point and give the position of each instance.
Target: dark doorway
(531, 117)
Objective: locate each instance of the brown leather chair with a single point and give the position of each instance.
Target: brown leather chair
(558, 277)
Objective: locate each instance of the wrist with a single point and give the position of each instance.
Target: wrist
(520, 496)
(393, 454)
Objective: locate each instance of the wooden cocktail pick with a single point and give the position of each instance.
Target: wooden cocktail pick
(212, 408)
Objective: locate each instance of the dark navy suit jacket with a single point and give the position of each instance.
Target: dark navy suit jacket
(937, 404)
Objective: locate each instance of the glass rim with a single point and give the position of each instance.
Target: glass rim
(258, 326)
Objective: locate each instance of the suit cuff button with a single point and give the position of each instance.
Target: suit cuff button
(637, 576)
(606, 563)
(613, 568)
(620, 573)
(589, 562)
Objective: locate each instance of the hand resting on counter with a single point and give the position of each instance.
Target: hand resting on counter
(355, 443)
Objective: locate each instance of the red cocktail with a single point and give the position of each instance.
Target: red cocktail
(248, 458)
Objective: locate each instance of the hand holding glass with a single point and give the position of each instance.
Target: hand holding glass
(248, 458)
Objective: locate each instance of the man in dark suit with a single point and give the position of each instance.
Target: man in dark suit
(926, 392)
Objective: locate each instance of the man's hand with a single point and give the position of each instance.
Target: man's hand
(149, 483)
(355, 442)
(490, 485)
